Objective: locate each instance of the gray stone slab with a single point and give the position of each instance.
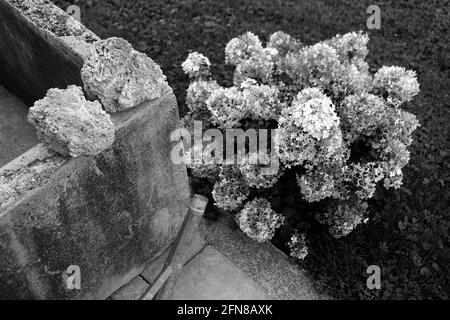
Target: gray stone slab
(33, 59)
(274, 271)
(187, 250)
(211, 276)
(16, 134)
(133, 290)
(110, 214)
(153, 269)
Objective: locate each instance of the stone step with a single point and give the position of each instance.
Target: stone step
(279, 275)
(222, 263)
(211, 276)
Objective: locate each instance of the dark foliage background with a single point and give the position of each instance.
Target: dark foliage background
(408, 236)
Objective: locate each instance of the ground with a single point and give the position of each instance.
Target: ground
(219, 262)
(409, 235)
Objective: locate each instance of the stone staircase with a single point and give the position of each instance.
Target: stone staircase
(224, 264)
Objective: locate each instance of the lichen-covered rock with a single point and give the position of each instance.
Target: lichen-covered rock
(69, 124)
(17, 181)
(48, 16)
(121, 77)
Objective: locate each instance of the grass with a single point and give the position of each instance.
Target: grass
(408, 236)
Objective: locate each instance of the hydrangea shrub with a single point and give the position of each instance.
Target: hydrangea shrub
(342, 131)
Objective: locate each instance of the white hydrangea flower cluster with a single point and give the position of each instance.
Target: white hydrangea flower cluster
(392, 145)
(395, 155)
(341, 129)
(242, 48)
(254, 174)
(230, 191)
(309, 130)
(352, 78)
(320, 66)
(227, 107)
(314, 66)
(261, 101)
(196, 96)
(362, 114)
(351, 46)
(196, 65)
(344, 218)
(316, 186)
(316, 116)
(400, 85)
(258, 220)
(284, 43)
(298, 246)
(364, 177)
(259, 66)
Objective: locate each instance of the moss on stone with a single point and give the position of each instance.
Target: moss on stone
(47, 16)
(15, 183)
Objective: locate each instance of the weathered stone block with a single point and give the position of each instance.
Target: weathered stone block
(70, 125)
(121, 77)
(133, 290)
(109, 214)
(45, 15)
(79, 45)
(33, 57)
(211, 275)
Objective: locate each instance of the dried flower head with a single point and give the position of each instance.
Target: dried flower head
(258, 220)
(196, 65)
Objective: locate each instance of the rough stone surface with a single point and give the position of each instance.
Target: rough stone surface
(240, 269)
(133, 290)
(211, 275)
(16, 182)
(79, 45)
(154, 268)
(136, 288)
(33, 59)
(69, 124)
(16, 134)
(280, 277)
(121, 77)
(47, 16)
(187, 250)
